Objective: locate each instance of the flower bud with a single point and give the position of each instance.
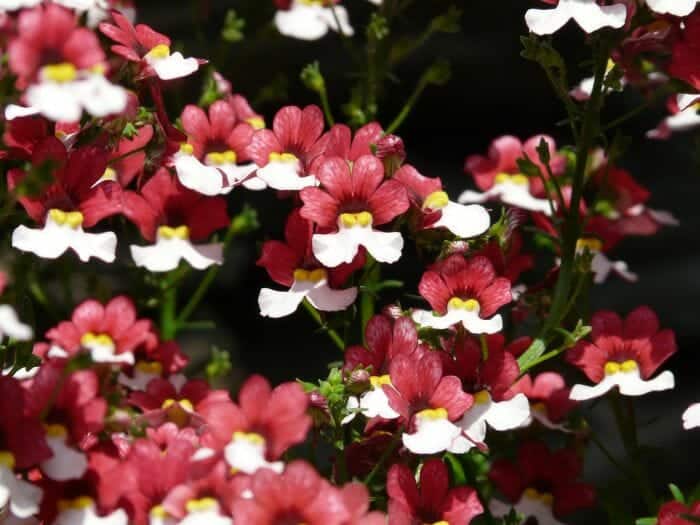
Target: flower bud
(391, 151)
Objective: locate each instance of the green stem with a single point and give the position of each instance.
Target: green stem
(408, 107)
(321, 323)
(323, 94)
(168, 308)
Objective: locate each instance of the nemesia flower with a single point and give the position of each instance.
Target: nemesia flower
(214, 158)
(12, 327)
(437, 209)
(356, 499)
(498, 175)
(67, 205)
(601, 264)
(297, 495)
(62, 66)
(149, 48)
(691, 417)
(431, 502)
(340, 141)
(465, 291)
(285, 153)
(178, 217)
(674, 512)
(385, 340)
(588, 14)
(128, 159)
(549, 399)
(165, 360)
(352, 201)
(428, 403)
(678, 121)
(292, 264)
(623, 354)
(685, 52)
(83, 509)
(311, 19)
(672, 7)
(541, 485)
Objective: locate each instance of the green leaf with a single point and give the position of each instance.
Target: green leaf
(677, 494)
(543, 152)
(534, 351)
(646, 521)
(439, 73)
(458, 476)
(233, 27)
(219, 364)
(447, 22)
(246, 221)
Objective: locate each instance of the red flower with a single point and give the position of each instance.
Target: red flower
(552, 476)
(356, 499)
(431, 502)
(342, 143)
(508, 261)
(686, 52)
(672, 513)
(548, 394)
(126, 160)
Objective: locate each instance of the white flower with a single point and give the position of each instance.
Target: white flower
(373, 403)
(307, 284)
(532, 504)
(171, 246)
(102, 349)
(67, 463)
(204, 511)
(22, 497)
(627, 378)
(82, 511)
(246, 453)
(282, 173)
(208, 178)
(355, 230)
(462, 221)
(672, 7)
(459, 311)
(691, 417)
(501, 416)
(62, 231)
(169, 66)
(513, 190)
(311, 20)
(434, 433)
(12, 327)
(586, 13)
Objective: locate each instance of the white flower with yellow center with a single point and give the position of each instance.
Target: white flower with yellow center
(355, 230)
(67, 463)
(208, 177)
(501, 416)
(83, 511)
(144, 372)
(246, 453)
(312, 285)
(12, 327)
(627, 378)
(513, 190)
(588, 14)
(169, 66)
(171, 246)
(373, 403)
(102, 349)
(282, 173)
(62, 231)
(159, 516)
(672, 7)
(460, 311)
(311, 19)
(691, 417)
(22, 498)
(462, 221)
(532, 504)
(205, 511)
(434, 433)
(601, 265)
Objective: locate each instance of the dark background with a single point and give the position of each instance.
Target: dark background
(493, 91)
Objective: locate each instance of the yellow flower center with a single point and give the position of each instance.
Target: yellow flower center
(160, 51)
(518, 179)
(186, 149)
(152, 367)
(612, 367)
(539, 407)
(217, 159)
(200, 505)
(90, 339)
(433, 414)
(443, 522)
(110, 174)
(436, 201)
(83, 502)
(7, 459)
(56, 431)
(377, 381)
(256, 122)
(589, 243)
(350, 220)
(482, 397)
(179, 232)
(185, 404)
(159, 512)
(60, 73)
(72, 219)
(544, 497)
(314, 276)
(282, 157)
(470, 305)
(251, 437)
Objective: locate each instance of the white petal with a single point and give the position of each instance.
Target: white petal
(683, 100)
(631, 384)
(100, 97)
(672, 7)
(438, 322)
(464, 221)
(278, 304)
(66, 463)
(58, 102)
(585, 392)
(139, 381)
(547, 21)
(507, 415)
(174, 66)
(591, 17)
(11, 326)
(684, 121)
(302, 22)
(194, 175)
(431, 436)
(24, 497)
(248, 457)
(329, 14)
(385, 247)
(210, 517)
(519, 195)
(470, 196)
(691, 417)
(533, 508)
(235, 174)
(461, 445)
(105, 354)
(375, 403)
(621, 269)
(334, 249)
(664, 217)
(21, 375)
(476, 325)
(88, 516)
(13, 111)
(53, 240)
(285, 176)
(352, 406)
(165, 254)
(327, 299)
(12, 5)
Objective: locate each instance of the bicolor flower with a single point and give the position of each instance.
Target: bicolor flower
(214, 159)
(549, 399)
(601, 265)
(679, 120)
(177, 219)
(150, 49)
(20, 497)
(464, 291)
(542, 484)
(292, 265)
(285, 153)
(311, 19)
(350, 204)
(70, 203)
(83, 510)
(498, 175)
(67, 463)
(427, 402)
(691, 417)
(62, 66)
(12, 327)
(428, 498)
(436, 208)
(623, 354)
(588, 14)
(128, 159)
(672, 7)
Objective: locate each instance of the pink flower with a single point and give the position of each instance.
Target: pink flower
(673, 512)
(548, 396)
